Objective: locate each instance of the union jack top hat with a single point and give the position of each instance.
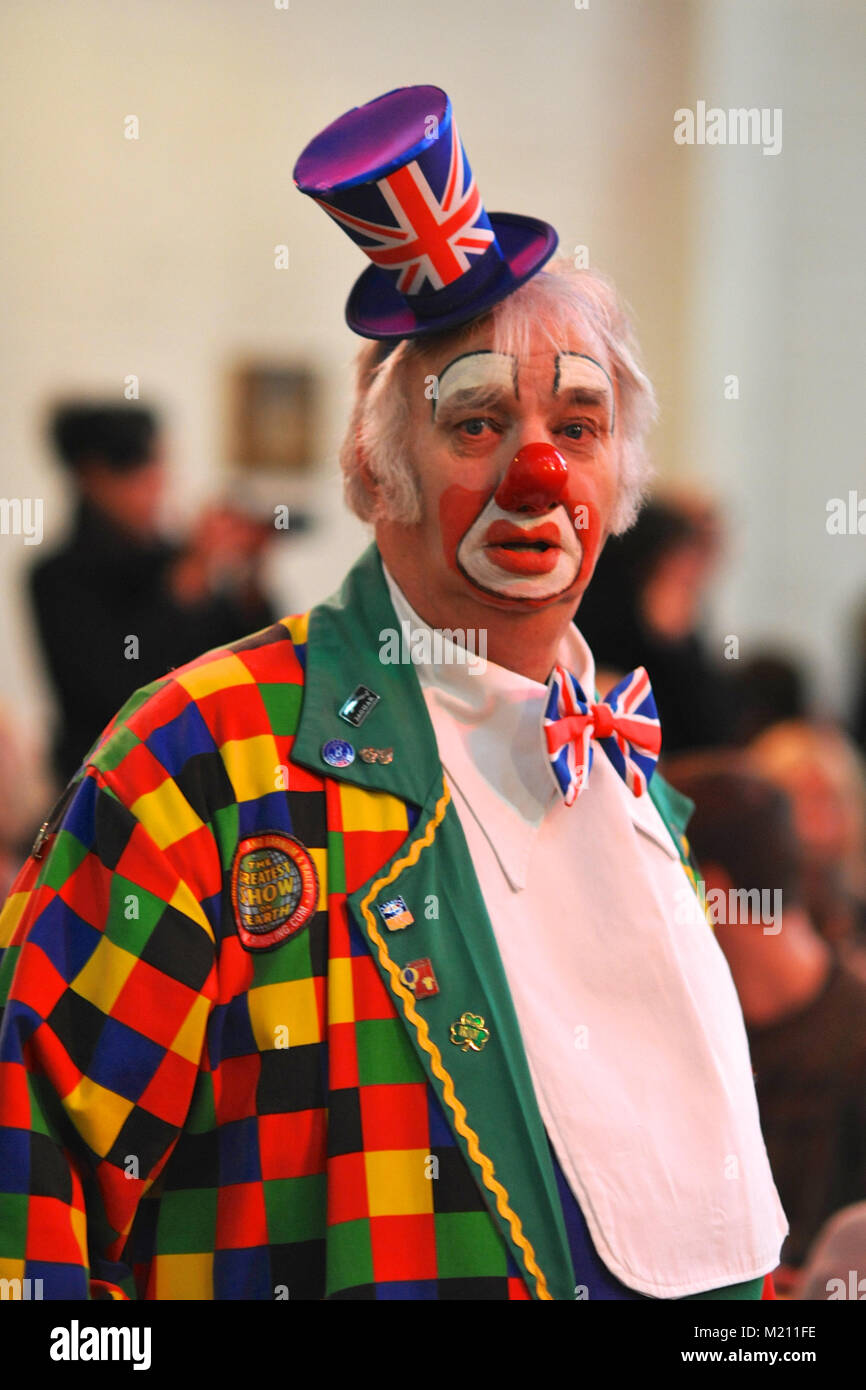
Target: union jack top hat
(393, 174)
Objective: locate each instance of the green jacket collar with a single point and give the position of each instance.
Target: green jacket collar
(345, 636)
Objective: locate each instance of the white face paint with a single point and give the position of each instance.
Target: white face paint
(488, 564)
(493, 371)
(535, 557)
(575, 372)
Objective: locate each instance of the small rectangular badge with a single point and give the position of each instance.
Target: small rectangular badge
(395, 914)
(358, 705)
(420, 977)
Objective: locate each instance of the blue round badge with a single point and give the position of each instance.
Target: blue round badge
(338, 753)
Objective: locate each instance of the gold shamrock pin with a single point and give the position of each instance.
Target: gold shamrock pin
(469, 1033)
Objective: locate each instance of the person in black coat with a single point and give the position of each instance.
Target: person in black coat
(116, 605)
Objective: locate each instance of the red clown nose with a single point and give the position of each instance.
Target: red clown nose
(535, 479)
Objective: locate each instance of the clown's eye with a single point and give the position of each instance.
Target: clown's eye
(476, 425)
(575, 430)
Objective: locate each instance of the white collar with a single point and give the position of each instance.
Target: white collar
(488, 725)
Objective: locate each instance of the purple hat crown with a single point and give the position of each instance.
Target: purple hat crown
(394, 175)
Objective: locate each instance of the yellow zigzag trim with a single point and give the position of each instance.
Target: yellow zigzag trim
(491, 1182)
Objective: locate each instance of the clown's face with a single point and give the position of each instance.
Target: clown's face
(517, 466)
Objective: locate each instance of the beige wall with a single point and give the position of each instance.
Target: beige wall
(777, 296)
(155, 257)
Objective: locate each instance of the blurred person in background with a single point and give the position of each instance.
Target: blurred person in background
(117, 604)
(805, 1009)
(820, 769)
(644, 609)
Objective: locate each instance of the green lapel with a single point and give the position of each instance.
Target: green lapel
(488, 1096)
(343, 645)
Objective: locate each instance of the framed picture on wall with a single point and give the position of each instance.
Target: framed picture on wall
(271, 417)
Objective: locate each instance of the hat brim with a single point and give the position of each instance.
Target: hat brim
(376, 309)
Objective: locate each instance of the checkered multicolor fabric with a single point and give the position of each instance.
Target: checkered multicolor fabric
(184, 1118)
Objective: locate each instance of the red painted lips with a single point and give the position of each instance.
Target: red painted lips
(523, 550)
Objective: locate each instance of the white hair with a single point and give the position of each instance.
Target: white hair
(554, 301)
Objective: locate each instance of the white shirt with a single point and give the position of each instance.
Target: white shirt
(628, 1013)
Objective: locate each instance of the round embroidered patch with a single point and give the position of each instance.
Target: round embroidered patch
(275, 889)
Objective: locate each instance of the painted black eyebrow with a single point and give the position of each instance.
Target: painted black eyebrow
(478, 352)
(586, 357)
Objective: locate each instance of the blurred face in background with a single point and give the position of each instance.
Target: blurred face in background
(130, 497)
(821, 772)
(670, 600)
(673, 592)
(825, 818)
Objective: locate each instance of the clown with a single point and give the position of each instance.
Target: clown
(379, 970)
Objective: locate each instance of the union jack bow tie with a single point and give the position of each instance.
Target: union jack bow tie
(626, 724)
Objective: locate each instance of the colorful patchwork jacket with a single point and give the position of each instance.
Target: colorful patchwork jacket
(199, 1101)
